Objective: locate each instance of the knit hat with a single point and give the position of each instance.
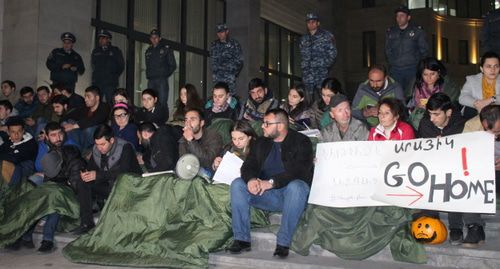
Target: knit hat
(51, 164)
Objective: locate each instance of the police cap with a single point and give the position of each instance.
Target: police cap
(68, 36)
(104, 33)
(221, 27)
(155, 31)
(403, 9)
(312, 16)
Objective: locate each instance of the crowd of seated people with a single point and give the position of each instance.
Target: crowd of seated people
(118, 137)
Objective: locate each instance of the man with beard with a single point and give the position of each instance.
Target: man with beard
(27, 103)
(206, 144)
(276, 176)
(111, 156)
(160, 147)
(54, 138)
(343, 127)
(260, 100)
(378, 86)
(58, 160)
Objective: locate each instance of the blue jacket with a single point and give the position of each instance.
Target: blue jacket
(43, 148)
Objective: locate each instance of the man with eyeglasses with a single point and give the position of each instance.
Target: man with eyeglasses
(64, 63)
(276, 176)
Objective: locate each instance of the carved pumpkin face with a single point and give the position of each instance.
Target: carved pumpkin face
(429, 230)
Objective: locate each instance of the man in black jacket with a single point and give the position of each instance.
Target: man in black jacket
(111, 156)
(160, 65)
(160, 147)
(107, 65)
(88, 118)
(443, 120)
(276, 177)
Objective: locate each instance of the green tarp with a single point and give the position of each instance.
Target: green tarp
(159, 221)
(358, 233)
(23, 205)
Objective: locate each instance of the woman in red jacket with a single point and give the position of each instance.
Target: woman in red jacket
(390, 126)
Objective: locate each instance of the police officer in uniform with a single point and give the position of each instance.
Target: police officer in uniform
(405, 46)
(226, 58)
(318, 53)
(491, 32)
(160, 64)
(107, 65)
(65, 64)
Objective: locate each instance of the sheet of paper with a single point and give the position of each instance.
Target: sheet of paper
(229, 169)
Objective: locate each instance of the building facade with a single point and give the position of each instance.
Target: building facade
(268, 31)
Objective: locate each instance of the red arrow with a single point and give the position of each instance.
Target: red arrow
(417, 193)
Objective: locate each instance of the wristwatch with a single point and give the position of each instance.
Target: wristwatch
(272, 182)
(493, 99)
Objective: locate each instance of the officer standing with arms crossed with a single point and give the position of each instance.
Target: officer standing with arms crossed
(226, 58)
(64, 63)
(107, 65)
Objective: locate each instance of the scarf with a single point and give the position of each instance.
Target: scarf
(488, 89)
(219, 109)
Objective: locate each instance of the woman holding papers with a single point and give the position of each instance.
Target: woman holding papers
(242, 134)
(391, 126)
(299, 114)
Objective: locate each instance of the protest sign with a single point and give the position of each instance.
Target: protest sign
(345, 174)
(453, 173)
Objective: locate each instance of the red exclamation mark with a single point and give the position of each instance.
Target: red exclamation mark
(464, 161)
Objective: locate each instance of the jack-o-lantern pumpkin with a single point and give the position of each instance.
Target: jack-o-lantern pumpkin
(428, 230)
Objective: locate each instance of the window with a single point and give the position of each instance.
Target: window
(463, 52)
(281, 57)
(368, 3)
(187, 26)
(369, 49)
(413, 4)
(145, 15)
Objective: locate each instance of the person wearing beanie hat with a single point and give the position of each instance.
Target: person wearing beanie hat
(160, 65)
(107, 65)
(318, 53)
(343, 126)
(226, 58)
(405, 46)
(64, 63)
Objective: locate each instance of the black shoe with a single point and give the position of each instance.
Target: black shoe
(475, 236)
(238, 246)
(46, 246)
(83, 229)
(456, 237)
(14, 246)
(281, 251)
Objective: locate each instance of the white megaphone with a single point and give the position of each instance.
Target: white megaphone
(188, 167)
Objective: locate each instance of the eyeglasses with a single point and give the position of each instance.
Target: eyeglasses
(266, 123)
(121, 116)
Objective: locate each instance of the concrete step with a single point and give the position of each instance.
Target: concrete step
(264, 259)
(445, 255)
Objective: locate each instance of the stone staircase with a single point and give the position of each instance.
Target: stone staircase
(264, 241)
(441, 256)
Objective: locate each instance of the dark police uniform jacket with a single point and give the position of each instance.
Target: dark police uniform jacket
(107, 65)
(160, 61)
(57, 58)
(405, 48)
